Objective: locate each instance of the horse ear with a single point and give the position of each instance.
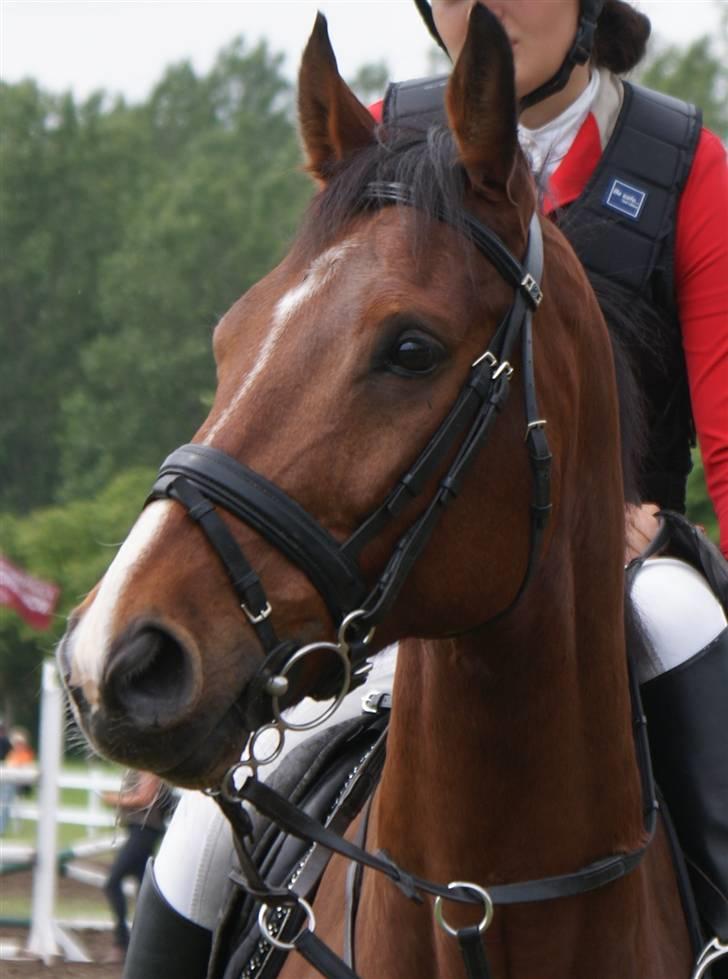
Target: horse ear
(481, 103)
(333, 121)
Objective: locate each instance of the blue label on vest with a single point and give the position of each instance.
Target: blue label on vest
(625, 199)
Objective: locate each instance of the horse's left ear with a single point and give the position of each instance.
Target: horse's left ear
(333, 121)
(481, 103)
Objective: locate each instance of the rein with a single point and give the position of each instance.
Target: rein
(200, 477)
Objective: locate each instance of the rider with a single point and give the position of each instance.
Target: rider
(600, 150)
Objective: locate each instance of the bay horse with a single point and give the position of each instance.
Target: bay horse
(511, 753)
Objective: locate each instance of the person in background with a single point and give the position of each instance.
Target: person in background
(142, 808)
(19, 754)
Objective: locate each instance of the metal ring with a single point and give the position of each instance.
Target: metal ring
(228, 788)
(346, 622)
(334, 705)
(310, 923)
(271, 757)
(713, 951)
(481, 892)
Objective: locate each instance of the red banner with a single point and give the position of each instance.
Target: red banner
(34, 600)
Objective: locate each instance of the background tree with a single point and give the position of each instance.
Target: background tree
(697, 73)
(370, 82)
(127, 231)
(66, 173)
(226, 198)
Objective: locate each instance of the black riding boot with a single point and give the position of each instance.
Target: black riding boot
(164, 944)
(687, 712)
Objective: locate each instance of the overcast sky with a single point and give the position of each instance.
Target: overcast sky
(124, 45)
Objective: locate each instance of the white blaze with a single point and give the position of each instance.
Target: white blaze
(320, 273)
(91, 640)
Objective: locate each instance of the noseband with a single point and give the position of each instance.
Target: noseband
(201, 477)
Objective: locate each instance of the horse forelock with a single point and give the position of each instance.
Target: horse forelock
(428, 164)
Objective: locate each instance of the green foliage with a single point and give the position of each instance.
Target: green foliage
(698, 73)
(58, 164)
(700, 509)
(127, 232)
(370, 82)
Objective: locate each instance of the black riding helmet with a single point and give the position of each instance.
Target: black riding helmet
(578, 54)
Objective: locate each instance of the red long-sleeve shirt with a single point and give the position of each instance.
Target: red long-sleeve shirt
(701, 282)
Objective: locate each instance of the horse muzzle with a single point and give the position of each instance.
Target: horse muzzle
(146, 705)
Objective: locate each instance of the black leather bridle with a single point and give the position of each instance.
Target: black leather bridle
(201, 477)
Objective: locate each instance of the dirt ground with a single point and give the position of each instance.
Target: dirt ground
(73, 900)
(96, 943)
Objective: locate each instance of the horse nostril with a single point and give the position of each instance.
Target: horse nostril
(149, 677)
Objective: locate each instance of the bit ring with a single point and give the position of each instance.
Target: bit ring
(476, 889)
(310, 923)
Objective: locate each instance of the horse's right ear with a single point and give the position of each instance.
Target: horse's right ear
(333, 121)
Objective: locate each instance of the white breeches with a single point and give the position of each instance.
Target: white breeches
(679, 613)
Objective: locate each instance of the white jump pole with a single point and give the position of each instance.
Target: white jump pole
(47, 940)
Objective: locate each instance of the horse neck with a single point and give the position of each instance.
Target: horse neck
(510, 752)
(510, 758)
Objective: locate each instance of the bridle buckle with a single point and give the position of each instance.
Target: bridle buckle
(260, 617)
(532, 290)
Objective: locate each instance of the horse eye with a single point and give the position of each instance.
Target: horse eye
(414, 354)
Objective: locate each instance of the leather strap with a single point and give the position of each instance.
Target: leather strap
(262, 505)
(589, 878)
(245, 581)
(354, 876)
(321, 957)
(470, 941)
(381, 192)
(197, 473)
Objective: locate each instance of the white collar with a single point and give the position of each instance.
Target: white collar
(547, 145)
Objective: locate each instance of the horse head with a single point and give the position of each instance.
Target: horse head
(335, 374)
